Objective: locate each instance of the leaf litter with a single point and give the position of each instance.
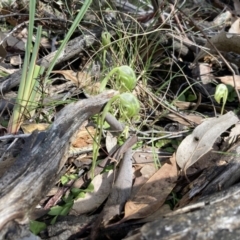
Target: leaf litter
(152, 195)
(135, 177)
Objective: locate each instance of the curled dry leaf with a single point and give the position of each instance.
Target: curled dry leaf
(81, 79)
(102, 186)
(84, 137)
(200, 142)
(30, 127)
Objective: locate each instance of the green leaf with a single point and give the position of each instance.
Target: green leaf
(73, 176)
(68, 199)
(161, 143)
(66, 208)
(90, 188)
(64, 179)
(191, 97)
(232, 95)
(182, 98)
(81, 195)
(36, 227)
(75, 191)
(56, 210)
(54, 220)
(169, 149)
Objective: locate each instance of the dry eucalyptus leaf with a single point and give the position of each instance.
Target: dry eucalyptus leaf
(235, 28)
(30, 127)
(205, 73)
(193, 118)
(16, 43)
(84, 137)
(148, 170)
(152, 195)
(111, 142)
(16, 60)
(68, 74)
(79, 78)
(120, 192)
(235, 131)
(230, 80)
(200, 142)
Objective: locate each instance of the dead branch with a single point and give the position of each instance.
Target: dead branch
(37, 167)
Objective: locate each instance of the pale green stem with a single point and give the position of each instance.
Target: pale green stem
(98, 135)
(105, 80)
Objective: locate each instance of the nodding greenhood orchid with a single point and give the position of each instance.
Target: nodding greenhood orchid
(125, 78)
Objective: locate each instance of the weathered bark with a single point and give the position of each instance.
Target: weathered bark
(215, 216)
(37, 167)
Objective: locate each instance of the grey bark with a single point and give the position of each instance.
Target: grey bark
(37, 167)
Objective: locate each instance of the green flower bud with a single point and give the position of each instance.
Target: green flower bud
(129, 104)
(106, 38)
(221, 93)
(126, 78)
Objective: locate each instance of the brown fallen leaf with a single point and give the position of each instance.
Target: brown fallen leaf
(68, 74)
(30, 127)
(205, 73)
(81, 79)
(193, 118)
(153, 193)
(146, 155)
(234, 134)
(84, 137)
(142, 174)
